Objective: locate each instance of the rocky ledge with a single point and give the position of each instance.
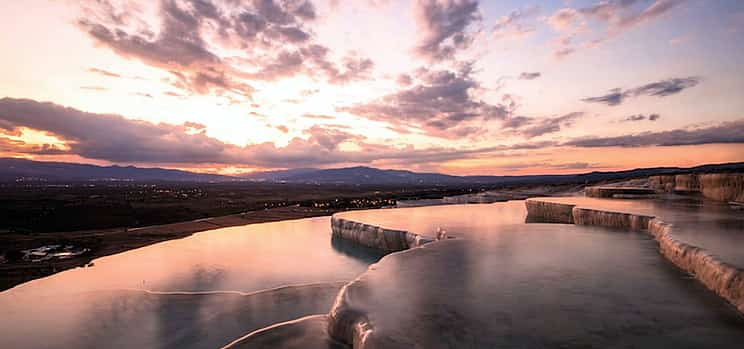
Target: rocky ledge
(384, 239)
(727, 187)
(724, 279)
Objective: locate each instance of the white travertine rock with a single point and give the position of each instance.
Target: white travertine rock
(609, 192)
(664, 183)
(728, 187)
(686, 183)
(549, 212)
(388, 240)
(723, 186)
(617, 220)
(724, 279)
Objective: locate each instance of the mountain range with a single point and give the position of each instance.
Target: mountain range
(13, 169)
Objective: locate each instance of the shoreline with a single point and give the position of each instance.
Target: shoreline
(106, 242)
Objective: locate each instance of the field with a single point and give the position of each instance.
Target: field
(112, 217)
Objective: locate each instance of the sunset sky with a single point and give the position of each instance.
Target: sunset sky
(453, 86)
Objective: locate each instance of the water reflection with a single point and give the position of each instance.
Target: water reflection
(354, 250)
(549, 286)
(154, 297)
(200, 291)
(711, 225)
(470, 221)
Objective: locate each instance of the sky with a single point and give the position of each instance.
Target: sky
(462, 87)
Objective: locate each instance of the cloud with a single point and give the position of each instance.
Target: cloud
(564, 19)
(726, 132)
(9, 145)
(534, 127)
(444, 27)
(94, 88)
(559, 166)
(529, 76)
(173, 94)
(282, 128)
(616, 16)
(666, 87)
(661, 88)
(319, 116)
(104, 72)
(511, 26)
(642, 117)
(656, 9)
(273, 39)
(439, 102)
(117, 139)
(330, 137)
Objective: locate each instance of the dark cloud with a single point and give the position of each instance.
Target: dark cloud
(178, 43)
(661, 88)
(8, 145)
(666, 87)
(178, 47)
(534, 127)
(516, 122)
(312, 60)
(511, 26)
(110, 137)
(352, 67)
(727, 132)
(560, 166)
(273, 36)
(330, 137)
(444, 27)
(117, 139)
(529, 76)
(440, 102)
(574, 166)
(404, 80)
(641, 117)
(614, 97)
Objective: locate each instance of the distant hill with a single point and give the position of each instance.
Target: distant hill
(12, 169)
(362, 175)
(369, 175)
(275, 176)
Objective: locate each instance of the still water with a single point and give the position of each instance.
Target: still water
(505, 284)
(208, 289)
(197, 292)
(712, 225)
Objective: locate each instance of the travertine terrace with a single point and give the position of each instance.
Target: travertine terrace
(727, 187)
(724, 279)
(388, 240)
(375, 311)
